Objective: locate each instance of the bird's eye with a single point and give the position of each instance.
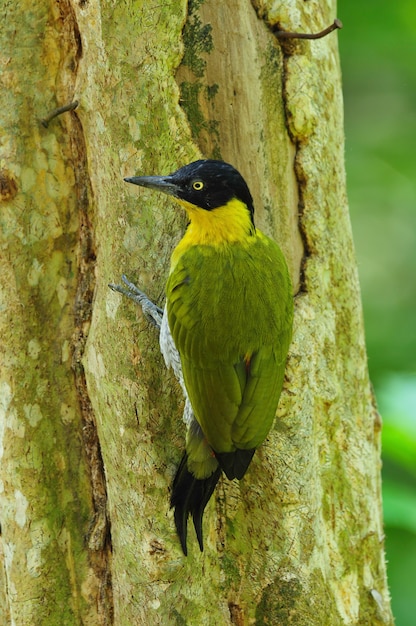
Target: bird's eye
(198, 185)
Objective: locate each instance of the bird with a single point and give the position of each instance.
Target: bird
(225, 329)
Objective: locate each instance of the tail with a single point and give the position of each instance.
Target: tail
(190, 496)
(235, 464)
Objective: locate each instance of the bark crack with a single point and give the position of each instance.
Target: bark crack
(299, 177)
(236, 614)
(98, 539)
(289, 47)
(99, 536)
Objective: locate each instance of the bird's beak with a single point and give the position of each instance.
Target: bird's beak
(160, 183)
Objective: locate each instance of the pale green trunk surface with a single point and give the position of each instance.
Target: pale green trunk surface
(91, 433)
(52, 496)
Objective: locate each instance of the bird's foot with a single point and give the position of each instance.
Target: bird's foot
(151, 311)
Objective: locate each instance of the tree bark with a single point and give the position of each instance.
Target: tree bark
(91, 430)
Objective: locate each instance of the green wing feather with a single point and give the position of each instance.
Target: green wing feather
(230, 313)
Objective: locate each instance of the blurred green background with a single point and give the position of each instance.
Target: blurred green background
(378, 56)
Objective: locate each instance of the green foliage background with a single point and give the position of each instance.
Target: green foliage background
(378, 55)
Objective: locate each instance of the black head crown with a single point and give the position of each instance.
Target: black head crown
(207, 183)
(210, 184)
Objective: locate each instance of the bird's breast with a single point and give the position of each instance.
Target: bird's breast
(227, 300)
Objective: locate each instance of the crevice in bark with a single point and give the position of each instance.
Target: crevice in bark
(98, 538)
(236, 614)
(71, 41)
(288, 48)
(99, 535)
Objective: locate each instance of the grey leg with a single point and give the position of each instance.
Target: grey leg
(152, 312)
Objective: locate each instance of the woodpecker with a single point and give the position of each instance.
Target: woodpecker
(225, 329)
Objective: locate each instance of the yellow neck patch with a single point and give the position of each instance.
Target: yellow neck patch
(225, 224)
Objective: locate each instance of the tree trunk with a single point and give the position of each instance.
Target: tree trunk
(91, 429)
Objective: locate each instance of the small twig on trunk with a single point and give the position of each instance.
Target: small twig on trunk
(282, 34)
(67, 107)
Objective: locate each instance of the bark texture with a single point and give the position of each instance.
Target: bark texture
(90, 420)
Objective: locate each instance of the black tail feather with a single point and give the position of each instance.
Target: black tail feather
(235, 464)
(190, 497)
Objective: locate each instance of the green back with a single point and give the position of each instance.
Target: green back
(230, 312)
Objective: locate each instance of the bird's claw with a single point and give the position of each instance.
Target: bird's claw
(151, 311)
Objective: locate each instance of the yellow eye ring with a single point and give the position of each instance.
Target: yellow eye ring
(198, 185)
